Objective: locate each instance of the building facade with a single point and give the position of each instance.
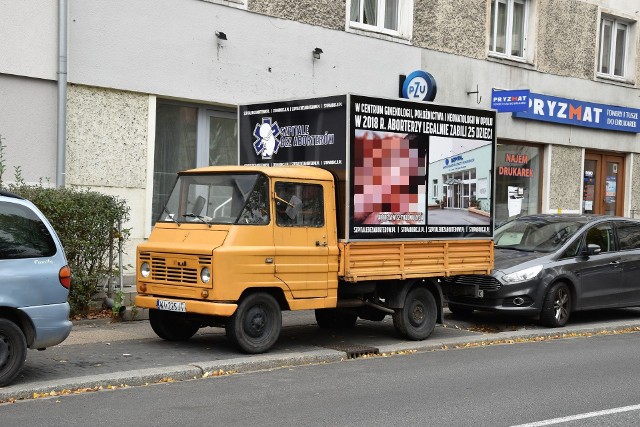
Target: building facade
(152, 87)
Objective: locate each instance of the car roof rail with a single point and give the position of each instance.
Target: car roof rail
(8, 194)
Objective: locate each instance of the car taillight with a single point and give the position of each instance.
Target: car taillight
(65, 276)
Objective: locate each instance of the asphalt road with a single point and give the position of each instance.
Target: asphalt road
(501, 385)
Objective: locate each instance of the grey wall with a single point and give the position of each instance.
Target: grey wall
(565, 173)
(28, 128)
(566, 43)
(326, 13)
(458, 27)
(128, 45)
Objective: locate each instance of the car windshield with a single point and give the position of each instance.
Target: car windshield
(218, 199)
(539, 235)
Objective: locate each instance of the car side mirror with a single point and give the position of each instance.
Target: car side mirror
(592, 249)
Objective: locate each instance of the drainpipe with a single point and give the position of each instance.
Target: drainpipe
(62, 93)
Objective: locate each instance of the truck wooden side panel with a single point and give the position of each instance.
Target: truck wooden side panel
(363, 260)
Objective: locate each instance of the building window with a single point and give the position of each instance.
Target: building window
(189, 136)
(392, 17)
(509, 28)
(518, 181)
(436, 193)
(613, 47)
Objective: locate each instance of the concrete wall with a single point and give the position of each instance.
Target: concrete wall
(326, 13)
(29, 38)
(125, 44)
(106, 137)
(565, 183)
(567, 38)
(28, 128)
(107, 150)
(458, 27)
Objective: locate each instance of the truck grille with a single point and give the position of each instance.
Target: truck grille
(172, 274)
(485, 283)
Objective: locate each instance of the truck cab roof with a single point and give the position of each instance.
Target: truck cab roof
(288, 172)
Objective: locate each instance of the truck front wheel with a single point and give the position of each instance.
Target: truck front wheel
(417, 319)
(255, 326)
(171, 326)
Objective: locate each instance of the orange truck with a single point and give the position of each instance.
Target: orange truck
(355, 207)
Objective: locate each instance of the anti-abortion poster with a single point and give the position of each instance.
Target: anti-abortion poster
(309, 132)
(420, 170)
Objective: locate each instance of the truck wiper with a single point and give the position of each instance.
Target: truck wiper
(201, 218)
(170, 215)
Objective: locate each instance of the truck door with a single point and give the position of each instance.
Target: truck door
(300, 238)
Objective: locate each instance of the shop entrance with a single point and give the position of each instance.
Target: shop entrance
(603, 184)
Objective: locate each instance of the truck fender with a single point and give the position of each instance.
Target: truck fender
(399, 291)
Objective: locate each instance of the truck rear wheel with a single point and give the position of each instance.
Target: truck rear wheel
(417, 319)
(255, 326)
(171, 326)
(331, 318)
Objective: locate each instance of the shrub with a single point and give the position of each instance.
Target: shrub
(86, 223)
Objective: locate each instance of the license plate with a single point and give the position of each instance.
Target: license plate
(171, 306)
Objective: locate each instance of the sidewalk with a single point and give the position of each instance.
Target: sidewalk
(99, 353)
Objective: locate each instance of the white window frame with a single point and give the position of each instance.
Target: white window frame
(615, 24)
(493, 36)
(405, 19)
(436, 193)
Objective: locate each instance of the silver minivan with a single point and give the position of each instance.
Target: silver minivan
(34, 285)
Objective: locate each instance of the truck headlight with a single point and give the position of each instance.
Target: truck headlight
(522, 275)
(205, 275)
(145, 269)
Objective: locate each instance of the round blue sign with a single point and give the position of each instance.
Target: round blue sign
(419, 86)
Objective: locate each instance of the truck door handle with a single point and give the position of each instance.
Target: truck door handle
(321, 244)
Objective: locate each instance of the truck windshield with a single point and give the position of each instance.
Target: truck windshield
(218, 199)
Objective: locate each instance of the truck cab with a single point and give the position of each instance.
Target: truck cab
(228, 232)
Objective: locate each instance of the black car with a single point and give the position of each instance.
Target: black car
(552, 265)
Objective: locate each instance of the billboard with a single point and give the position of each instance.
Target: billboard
(415, 170)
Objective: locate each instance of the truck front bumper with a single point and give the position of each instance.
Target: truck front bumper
(208, 308)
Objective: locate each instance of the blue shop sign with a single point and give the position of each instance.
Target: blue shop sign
(506, 101)
(580, 113)
(419, 86)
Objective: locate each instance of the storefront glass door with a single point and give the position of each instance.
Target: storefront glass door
(603, 186)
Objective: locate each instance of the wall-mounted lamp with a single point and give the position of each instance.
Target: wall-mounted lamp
(316, 53)
(220, 35)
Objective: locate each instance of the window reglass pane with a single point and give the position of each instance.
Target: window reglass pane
(629, 235)
(370, 12)
(391, 14)
(621, 43)
(601, 235)
(299, 205)
(501, 30)
(517, 36)
(605, 41)
(23, 234)
(355, 10)
(223, 142)
(518, 181)
(175, 149)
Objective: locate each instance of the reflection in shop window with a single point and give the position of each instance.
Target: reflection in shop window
(517, 181)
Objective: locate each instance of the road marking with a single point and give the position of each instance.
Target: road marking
(581, 416)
